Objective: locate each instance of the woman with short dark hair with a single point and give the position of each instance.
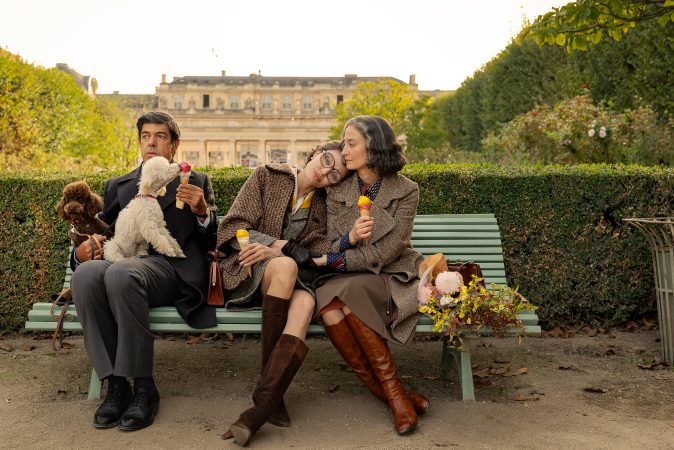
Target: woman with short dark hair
(374, 300)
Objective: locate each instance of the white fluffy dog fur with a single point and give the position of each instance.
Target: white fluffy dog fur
(142, 223)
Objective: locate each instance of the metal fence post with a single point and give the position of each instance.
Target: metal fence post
(660, 235)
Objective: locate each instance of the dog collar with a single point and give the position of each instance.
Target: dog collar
(145, 196)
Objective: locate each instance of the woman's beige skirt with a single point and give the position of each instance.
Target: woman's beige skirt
(367, 295)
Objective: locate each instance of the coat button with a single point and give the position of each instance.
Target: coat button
(375, 264)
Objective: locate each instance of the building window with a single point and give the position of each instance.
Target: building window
(177, 103)
(248, 158)
(286, 102)
(266, 102)
(278, 155)
(307, 102)
(216, 159)
(340, 99)
(207, 101)
(233, 102)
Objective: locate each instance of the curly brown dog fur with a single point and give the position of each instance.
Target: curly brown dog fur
(79, 206)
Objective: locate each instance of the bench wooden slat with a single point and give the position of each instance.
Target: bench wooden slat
(463, 237)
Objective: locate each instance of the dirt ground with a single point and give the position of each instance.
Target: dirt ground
(578, 392)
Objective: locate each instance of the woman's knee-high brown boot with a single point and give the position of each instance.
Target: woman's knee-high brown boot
(347, 345)
(379, 356)
(284, 362)
(274, 318)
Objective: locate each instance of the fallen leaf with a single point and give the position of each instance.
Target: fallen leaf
(474, 366)
(67, 345)
(632, 326)
(601, 331)
(27, 347)
(333, 388)
(191, 340)
(555, 333)
(522, 371)
(207, 337)
(595, 390)
(431, 377)
(500, 370)
(6, 347)
(229, 336)
(565, 367)
(483, 373)
(649, 324)
(571, 333)
(592, 333)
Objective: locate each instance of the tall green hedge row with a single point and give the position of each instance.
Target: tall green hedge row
(565, 243)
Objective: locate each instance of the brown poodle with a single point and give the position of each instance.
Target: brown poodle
(79, 205)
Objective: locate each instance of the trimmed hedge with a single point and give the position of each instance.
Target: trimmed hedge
(565, 244)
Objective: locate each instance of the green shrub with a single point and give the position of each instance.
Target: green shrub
(576, 131)
(564, 241)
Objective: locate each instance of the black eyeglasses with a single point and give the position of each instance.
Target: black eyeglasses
(328, 161)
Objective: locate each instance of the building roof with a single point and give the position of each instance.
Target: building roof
(260, 80)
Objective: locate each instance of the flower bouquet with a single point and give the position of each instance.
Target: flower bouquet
(458, 309)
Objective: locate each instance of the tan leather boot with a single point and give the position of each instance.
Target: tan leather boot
(379, 356)
(347, 345)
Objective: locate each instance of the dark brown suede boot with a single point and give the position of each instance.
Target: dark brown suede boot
(274, 318)
(284, 362)
(379, 356)
(347, 345)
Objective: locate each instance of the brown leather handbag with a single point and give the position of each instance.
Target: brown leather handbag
(467, 270)
(215, 294)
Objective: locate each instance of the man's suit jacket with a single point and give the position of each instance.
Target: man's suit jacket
(182, 224)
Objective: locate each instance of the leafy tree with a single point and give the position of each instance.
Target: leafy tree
(581, 24)
(47, 121)
(388, 99)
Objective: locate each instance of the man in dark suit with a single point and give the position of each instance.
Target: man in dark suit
(113, 299)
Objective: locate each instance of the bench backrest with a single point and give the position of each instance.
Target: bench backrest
(460, 237)
(463, 237)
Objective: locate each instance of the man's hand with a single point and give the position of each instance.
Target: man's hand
(194, 196)
(362, 229)
(84, 251)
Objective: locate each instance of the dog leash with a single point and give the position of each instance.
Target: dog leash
(92, 241)
(64, 299)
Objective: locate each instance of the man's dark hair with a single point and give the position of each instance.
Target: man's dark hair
(157, 118)
(384, 153)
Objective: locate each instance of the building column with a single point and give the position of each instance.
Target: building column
(203, 153)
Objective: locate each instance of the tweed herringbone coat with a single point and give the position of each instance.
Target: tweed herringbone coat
(389, 250)
(261, 207)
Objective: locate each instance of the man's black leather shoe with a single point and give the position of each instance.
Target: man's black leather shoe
(116, 401)
(143, 408)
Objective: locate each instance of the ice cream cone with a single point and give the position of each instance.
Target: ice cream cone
(243, 238)
(364, 205)
(185, 172)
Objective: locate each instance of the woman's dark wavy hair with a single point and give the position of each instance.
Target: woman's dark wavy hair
(330, 145)
(384, 153)
(157, 117)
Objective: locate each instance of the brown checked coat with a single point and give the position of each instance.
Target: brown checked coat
(261, 207)
(389, 250)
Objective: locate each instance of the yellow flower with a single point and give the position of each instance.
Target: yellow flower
(468, 321)
(461, 315)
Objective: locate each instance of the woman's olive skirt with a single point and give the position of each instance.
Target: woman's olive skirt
(367, 295)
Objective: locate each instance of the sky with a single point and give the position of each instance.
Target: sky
(128, 44)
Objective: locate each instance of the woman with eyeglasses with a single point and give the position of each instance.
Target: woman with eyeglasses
(374, 299)
(277, 204)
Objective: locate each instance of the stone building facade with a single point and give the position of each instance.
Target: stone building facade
(248, 121)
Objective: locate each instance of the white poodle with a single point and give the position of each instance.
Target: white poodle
(142, 223)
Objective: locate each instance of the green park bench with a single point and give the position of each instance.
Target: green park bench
(463, 237)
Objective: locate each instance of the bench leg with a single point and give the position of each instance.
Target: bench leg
(94, 386)
(458, 360)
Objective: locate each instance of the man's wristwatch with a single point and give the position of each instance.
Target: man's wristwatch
(206, 214)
